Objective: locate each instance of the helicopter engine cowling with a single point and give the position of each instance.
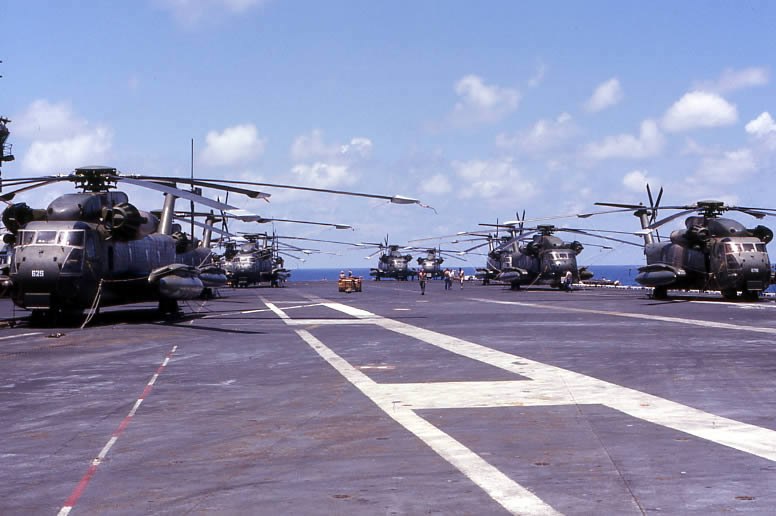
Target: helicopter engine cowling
(763, 233)
(694, 236)
(125, 222)
(19, 214)
(577, 247)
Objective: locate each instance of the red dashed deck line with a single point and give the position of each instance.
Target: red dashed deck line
(76, 494)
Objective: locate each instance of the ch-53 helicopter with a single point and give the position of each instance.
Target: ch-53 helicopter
(261, 258)
(710, 253)
(391, 263)
(94, 248)
(432, 262)
(529, 256)
(257, 257)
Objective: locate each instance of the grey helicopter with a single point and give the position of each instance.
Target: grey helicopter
(535, 256)
(262, 258)
(528, 256)
(94, 248)
(391, 263)
(432, 262)
(257, 257)
(710, 253)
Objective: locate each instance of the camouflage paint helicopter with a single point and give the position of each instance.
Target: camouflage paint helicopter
(391, 263)
(94, 248)
(710, 253)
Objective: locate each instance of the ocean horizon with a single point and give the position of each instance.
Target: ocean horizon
(625, 274)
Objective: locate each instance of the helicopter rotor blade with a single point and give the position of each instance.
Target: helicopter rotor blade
(395, 199)
(205, 226)
(670, 218)
(6, 197)
(581, 232)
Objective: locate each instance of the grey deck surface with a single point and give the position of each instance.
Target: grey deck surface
(473, 401)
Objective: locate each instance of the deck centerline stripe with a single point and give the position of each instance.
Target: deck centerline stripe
(76, 494)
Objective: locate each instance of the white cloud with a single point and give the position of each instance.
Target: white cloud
(482, 103)
(44, 120)
(649, 143)
(541, 70)
(543, 136)
(190, 12)
(60, 140)
(605, 95)
(635, 181)
(731, 79)
(492, 178)
(89, 147)
(234, 145)
(761, 126)
(699, 109)
(729, 168)
(312, 147)
(436, 184)
(322, 175)
(328, 165)
(359, 146)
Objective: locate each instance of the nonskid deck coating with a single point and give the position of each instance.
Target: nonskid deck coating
(251, 415)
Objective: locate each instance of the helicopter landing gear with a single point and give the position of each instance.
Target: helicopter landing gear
(514, 285)
(169, 307)
(660, 292)
(730, 293)
(56, 316)
(751, 295)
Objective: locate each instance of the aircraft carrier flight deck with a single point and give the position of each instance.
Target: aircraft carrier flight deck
(481, 400)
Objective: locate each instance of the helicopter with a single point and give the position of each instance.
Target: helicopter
(710, 253)
(391, 263)
(94, 248)
(531, 256)
(258, 257)
(431, 264)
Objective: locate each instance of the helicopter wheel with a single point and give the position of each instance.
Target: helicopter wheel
(514, 286)
(168, 306)
(751, 295)
(730, 293)
(660, 292)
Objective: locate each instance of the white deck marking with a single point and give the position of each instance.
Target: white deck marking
(553, 384)
(511, 495)
(662, 318)
(547, 386)
(21, 335)
(508, 493)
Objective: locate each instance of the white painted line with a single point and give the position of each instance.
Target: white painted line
(511, 495)
(661, 318)
(555, 385)
(18, 335)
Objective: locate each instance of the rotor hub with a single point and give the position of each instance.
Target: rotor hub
(95, 178)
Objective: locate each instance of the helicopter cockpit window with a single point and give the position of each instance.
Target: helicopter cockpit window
(73, 262)
(26, 237)
(732, 248)
(748, 247)
(73, 238)
(46, 237)
(760, 247)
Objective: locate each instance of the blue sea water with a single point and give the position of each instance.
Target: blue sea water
(626, 274)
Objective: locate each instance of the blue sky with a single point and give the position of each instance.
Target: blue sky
(478, 109)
